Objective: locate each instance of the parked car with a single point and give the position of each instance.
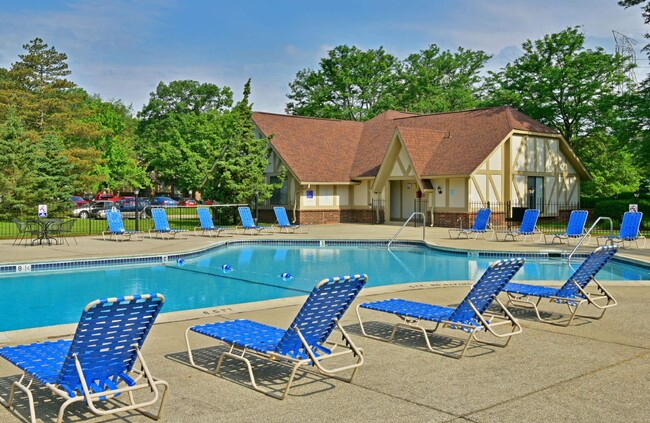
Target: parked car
(105, 196)
(187, 202)
(94, 209)
(78, 201)
(127, 208)
(164, 202)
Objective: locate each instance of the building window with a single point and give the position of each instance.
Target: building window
(280, 196)
(536, 193)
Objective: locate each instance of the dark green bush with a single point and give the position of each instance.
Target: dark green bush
(615, 209)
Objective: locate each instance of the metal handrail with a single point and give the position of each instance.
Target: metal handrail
(611, 232)
(406, 223)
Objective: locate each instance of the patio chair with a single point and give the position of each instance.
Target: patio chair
(528, 227)
(26, 229)
(303, 343)
(284, 224)
(471, 315)
(205, 219)
(99, 363)
(629, 231)
(161, 225)
(480, 226)
(247, 222)
(575, 228)
(63, 230)
(116, 228)
(573, 293)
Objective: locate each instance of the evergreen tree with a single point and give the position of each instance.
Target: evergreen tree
(17, 175)
(239, 172)
(41, 72)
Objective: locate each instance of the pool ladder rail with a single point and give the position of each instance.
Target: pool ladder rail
(406, 223)
(611, 232)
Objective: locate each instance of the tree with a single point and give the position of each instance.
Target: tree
(54, 179)
(17, 175)
(440, 81)
(239, 172)
(41, 72)
(574, 90)
(119, 165)
(181, 131)
(641, 104)
(350, 84)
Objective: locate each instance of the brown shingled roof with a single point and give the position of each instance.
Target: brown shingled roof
(422, 145)
(322, 150)
(316, 150)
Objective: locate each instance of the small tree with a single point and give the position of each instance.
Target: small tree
(239, 170)
(17, 175)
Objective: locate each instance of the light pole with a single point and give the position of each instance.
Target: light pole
(136, 191)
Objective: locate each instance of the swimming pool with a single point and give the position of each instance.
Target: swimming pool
(46, 298)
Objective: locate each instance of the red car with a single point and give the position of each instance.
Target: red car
(187, 202)
(79, 201)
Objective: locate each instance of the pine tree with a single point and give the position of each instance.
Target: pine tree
(17, 176)
(41, 75)
(240, 170)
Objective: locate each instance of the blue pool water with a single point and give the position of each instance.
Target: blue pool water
(42, 299)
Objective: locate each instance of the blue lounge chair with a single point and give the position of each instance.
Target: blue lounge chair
(629, 231)
(480, 226)
(284, 224)
(470, 316)
(99, 363)
(573, 293)
(247, 222)
(161, 225)
(116, 228)
(528, 227)
(205, 219)
(575, 228)
(303, 343)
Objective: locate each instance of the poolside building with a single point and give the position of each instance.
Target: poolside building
(445, 165)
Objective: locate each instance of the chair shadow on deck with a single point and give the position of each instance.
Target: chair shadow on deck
(47, 406)
(271, 376)
(408, 338)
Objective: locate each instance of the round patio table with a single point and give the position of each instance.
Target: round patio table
(45, 226)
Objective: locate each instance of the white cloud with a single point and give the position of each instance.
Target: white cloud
(120, 49)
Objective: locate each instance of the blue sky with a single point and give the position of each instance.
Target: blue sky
(121, 49)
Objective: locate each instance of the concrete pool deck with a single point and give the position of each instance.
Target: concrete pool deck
(591, 371)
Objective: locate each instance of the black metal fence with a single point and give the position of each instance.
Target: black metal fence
(178, 217)
(553, 217)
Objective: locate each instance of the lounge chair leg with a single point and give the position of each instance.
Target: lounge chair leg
(18, 384)
(251, 376)
(59, 418)
(162, 402)
(524, 302)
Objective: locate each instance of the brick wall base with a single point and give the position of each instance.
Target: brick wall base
(453, 219)
(323, 217)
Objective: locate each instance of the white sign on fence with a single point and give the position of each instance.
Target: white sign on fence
(42, 210)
